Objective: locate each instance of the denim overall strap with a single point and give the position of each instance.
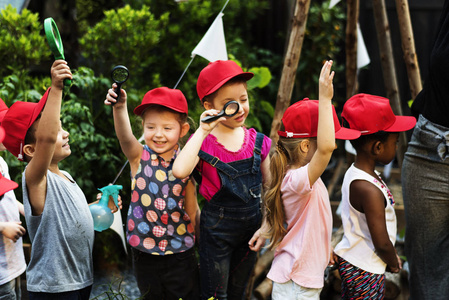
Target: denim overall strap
(241, 178)
(218, 164)
(257, 152)
(226, 168)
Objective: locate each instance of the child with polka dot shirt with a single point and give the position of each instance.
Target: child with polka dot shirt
(163, 209)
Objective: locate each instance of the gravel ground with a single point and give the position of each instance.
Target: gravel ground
(121, 285)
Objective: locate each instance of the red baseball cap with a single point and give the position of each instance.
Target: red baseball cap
(216, 74)
(301, 121)
(17, 121)
(370, 114)
(6, 185)
(3, 110)
(170, 98)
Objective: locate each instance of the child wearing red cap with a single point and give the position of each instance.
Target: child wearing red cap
(369, 221)
(58, 219)
(12, 258)
(163, 209)
(297, 203)
(233, 163)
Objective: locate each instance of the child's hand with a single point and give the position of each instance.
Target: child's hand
(111, 203)
(395, 269)
(333, 258)
(326, 87)
(257, 241)
(111, 97)
(209, 126)
(59, 71)
(12, 230)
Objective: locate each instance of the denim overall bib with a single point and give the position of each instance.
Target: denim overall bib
(228, 221)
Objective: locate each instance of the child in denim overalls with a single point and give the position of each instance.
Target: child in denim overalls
(233, 163)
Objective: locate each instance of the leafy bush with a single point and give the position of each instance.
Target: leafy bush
(128, 37)
(21, 44)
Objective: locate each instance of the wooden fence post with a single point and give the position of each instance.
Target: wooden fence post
(298, 27)
(408, 47)
(388, 67)
(351, 47)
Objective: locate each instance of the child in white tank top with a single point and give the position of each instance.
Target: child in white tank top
(369, 221)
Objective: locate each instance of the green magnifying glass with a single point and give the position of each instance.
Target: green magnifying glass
(55, 42)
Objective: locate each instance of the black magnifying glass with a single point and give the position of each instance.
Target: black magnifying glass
(55, 42)
(230, 109)
(119, 75)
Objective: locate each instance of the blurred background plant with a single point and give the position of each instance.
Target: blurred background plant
(154, 39)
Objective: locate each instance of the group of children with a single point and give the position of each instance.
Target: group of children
(249, 195)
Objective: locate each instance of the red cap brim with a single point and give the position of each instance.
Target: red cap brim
(6, 185)
(402, 123)
(347, 134)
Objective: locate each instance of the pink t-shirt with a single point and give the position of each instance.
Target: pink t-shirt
(303, 254)
(211, 182)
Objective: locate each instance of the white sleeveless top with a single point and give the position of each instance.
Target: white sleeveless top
(357, 246)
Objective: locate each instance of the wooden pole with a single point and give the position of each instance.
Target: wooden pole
(351, 47)
(298, 27)
(388, 67)
(408, 47)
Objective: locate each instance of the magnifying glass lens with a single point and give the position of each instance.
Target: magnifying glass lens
(55, 34)
(120, 75)
(231, 109)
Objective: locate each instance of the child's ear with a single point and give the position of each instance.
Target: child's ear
(207, 105)
(184, 129)
(377, 147)
(304, 146)
(28, 150)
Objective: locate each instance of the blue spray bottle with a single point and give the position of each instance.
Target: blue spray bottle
(100, 211)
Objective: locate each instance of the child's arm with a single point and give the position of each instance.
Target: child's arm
(326, 131)
(188, 158)
(191, 206)
(128, 142)
(12, 230)
(368, 199)
(47, 131)
(20, 207)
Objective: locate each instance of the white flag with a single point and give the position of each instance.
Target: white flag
(333, 3)
(213, 45)
(117, 226)
(362, 54)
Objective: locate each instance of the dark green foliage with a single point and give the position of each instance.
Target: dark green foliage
(324, 39)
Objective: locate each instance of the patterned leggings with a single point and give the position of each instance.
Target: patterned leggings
(359, 284)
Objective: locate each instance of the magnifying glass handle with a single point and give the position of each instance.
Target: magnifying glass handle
(117, 91)
(67, 82)
(209, 119)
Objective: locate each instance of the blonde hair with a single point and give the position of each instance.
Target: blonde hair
(286, 154)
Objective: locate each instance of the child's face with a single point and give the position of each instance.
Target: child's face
(62, 148)
(162, 132)
(229, 92)
(389, 148)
